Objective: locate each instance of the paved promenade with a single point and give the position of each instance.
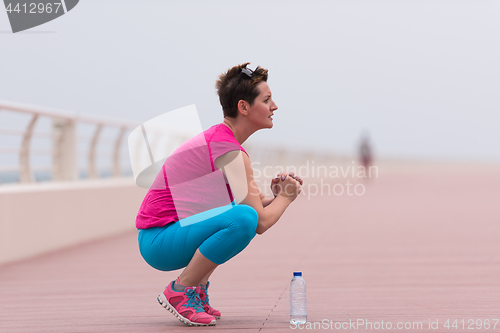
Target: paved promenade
(418, 246)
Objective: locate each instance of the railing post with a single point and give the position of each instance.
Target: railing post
(25, 173)
(92, 169)
(64, 150)
(116, 154)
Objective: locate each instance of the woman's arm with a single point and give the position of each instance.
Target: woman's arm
(274, 182)
(265, 201)
(239, 173)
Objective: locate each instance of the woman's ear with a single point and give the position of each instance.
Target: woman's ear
(243, 107)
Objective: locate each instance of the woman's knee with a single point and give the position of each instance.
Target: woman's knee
(246, 219)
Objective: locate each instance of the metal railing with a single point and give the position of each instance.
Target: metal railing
(65, 154)
(64, 139)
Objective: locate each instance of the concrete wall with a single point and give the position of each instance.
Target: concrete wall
(37, 218)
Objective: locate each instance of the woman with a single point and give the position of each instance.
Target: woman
(204, 206)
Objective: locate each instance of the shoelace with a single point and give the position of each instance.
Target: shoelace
(205, 301)
(194, 300)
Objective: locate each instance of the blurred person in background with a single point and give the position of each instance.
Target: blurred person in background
(365, 153)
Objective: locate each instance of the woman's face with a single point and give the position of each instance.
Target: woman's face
(261, 111)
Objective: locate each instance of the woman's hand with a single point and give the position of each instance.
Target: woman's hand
(296, 177)
(287, 185)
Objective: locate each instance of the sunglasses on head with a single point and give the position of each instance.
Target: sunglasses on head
(246, 71)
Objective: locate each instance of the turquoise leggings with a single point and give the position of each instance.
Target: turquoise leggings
(219, 234)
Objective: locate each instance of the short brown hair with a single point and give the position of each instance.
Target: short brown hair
(234, 86)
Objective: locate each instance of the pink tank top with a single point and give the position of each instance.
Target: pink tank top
(189, 182)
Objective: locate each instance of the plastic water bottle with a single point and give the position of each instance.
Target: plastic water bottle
(298, 300)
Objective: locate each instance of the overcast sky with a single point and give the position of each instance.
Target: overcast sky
(422, 77)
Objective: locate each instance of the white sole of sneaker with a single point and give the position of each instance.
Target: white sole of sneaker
(164, 302)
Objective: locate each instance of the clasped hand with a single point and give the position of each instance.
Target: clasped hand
(286, 184)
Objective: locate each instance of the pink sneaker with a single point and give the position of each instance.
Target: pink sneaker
(206, 305)
(186, 306)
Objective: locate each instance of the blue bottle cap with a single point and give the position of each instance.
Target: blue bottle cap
(297, 273)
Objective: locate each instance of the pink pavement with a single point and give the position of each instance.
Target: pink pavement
(417, 247)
